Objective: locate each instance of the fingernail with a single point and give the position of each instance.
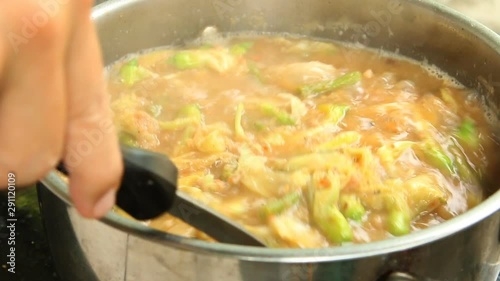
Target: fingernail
(104, 204)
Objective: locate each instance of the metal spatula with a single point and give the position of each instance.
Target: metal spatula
(149, 188)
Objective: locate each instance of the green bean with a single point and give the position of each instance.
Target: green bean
(282, 116)
(278, 206)
(398, 223)
(399, 219)
(437, 157)
(324, 193)
(332, 223)
(468, 133)
(351, 207)
(348, 79)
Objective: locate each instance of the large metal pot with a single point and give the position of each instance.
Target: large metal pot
(465, 248)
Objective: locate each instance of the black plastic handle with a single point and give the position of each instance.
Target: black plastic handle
(149, 183)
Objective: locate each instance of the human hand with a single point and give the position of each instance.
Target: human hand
(53, 102)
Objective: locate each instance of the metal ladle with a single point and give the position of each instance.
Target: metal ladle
(149, 189)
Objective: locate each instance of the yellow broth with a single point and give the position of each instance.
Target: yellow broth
(308, 144)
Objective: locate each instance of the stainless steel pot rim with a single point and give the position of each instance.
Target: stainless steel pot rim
(347, 252)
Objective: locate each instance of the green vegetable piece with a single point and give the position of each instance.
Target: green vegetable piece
(399, 219)
(468, 133)
(127, 139)
(325, 191)
(186, 60)
(351, 207)
(241, 49)
(132, 72)
(437, 157)
(278, 206)
(398, 223)
(466, 172)
(333, 224)
(128, 72)
(334, 113)
(348, 79)
(282, 116)
(217, 59)
(192, 111)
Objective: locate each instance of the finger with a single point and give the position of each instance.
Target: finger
(92, 156)
(32, 98)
